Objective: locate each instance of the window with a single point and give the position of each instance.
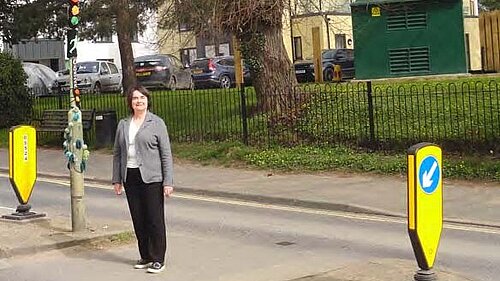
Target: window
(135, 36)
(340, 41)
(224, 49)
(188, 55)
(297, 47)
(209, 51)
(226, 62)
(104, 68)
(113, 68)
(104, 39)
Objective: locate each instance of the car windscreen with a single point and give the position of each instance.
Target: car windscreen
(199, 64)
(87, 67)
(330, 54)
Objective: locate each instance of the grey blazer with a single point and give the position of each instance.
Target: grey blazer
(153, 153)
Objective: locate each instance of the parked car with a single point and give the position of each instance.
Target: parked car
(162, 71)
(304, 69)
(93, 77)
(216, 72)
(41, 79)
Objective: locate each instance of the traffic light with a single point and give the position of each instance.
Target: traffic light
(74, 13)
(72, 38)
(76, 94)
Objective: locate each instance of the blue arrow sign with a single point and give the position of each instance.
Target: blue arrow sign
(429, 174)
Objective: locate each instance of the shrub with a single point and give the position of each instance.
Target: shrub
(15, 99)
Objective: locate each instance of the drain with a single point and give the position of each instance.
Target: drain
(285, 243)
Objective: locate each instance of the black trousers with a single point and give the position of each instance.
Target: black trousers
(146, 204)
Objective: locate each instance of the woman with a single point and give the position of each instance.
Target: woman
(142, 163)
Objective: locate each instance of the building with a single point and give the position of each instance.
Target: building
(334, 19)
(411, 37)
(332, 16)
(49, 52)
(105, 48)
(52, 52)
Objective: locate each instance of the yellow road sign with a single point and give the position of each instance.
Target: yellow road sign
(22, 161)
(425, 201)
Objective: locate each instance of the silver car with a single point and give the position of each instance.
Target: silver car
(93, 77)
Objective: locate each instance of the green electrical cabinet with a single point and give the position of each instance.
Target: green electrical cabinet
(395, 38)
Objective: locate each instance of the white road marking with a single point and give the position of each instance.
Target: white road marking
(364, 217)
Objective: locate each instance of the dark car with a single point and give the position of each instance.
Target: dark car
(216, 72)
(162, 71)
(304, 70)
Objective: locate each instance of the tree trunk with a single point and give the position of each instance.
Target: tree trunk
(274, 80)
(124, 30)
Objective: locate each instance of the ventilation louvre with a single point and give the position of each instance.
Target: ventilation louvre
(406, 20)
(409, 60)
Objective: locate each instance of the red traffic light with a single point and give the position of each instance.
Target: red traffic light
(76, 95)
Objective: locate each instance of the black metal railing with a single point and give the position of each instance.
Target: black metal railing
(458, 116)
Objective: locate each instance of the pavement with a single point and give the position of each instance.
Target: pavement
(468, 203)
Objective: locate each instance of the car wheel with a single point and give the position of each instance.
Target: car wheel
(172, 84)
(97, 89)
(328, 75)
(225, 82)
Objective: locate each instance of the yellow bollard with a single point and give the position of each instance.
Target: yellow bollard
(337, 73)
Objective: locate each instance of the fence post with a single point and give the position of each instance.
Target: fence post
(371, 120)
(244, 119)
(60, 99)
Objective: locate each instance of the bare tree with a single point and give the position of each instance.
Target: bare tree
(126, 18)
(258, 24)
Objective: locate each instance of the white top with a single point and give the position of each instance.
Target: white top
(131, 156)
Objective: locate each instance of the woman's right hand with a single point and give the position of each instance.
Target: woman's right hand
(118, 188)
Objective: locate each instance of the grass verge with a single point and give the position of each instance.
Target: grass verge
(324, 159)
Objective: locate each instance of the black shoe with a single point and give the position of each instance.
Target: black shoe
(156, 267)
(141, 264)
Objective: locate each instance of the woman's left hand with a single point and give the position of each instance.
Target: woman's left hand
(168, 190)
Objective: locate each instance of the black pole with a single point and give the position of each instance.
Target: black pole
(371, 121)
(244, 119)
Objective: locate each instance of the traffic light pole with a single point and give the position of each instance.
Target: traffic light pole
(75, 149)
(78, 213)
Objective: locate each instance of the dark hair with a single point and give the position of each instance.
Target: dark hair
(130, 93)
